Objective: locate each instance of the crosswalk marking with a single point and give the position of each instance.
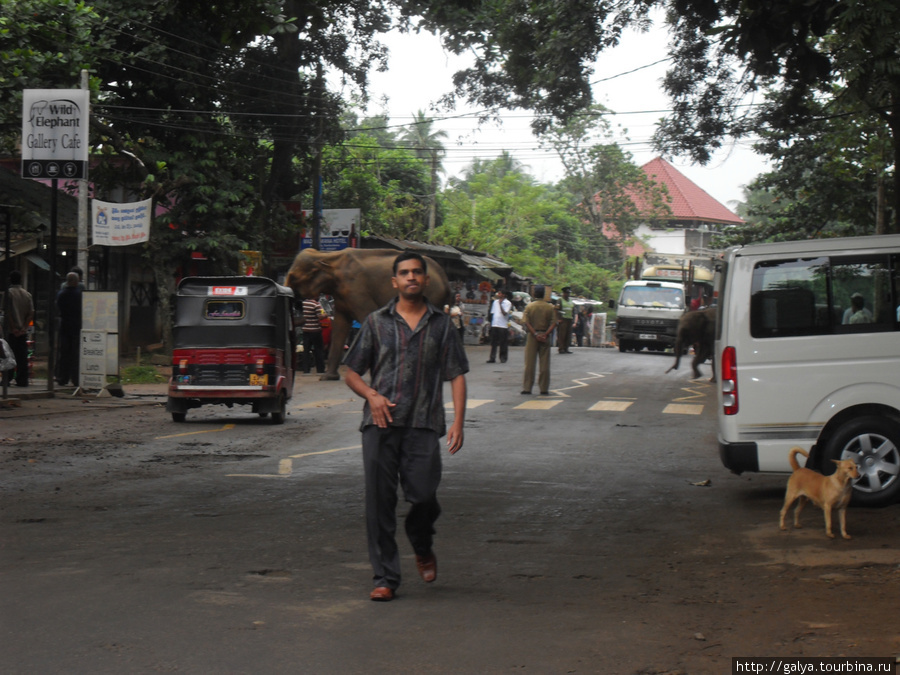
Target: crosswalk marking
(611, 406)
(537, 404)
(683, 409)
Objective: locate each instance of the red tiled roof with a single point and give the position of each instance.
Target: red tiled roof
(689, 201)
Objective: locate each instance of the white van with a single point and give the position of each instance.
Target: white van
(808, 342)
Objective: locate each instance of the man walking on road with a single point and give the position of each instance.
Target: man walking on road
(410, 348)
(540, 320)
(500, 327)
(566, 317)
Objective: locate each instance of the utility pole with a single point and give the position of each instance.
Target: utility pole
(432, 211)
(82, 252)
(317, 165)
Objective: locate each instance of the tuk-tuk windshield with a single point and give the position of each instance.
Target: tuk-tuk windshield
(224, 309)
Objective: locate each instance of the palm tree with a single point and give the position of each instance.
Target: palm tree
(426, 142)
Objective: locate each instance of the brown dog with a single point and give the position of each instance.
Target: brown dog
(826, 492)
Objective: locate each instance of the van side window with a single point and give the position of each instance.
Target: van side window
(862, 294)
(788, 298)
(820, 296)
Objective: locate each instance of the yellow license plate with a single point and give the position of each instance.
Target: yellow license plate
(257, 380)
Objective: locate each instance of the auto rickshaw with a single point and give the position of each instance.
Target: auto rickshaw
(233, 343)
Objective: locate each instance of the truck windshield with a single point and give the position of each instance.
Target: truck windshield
(653, 296)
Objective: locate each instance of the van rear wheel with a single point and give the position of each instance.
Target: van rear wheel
(874, 444)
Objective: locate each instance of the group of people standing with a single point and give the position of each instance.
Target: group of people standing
(18, 313)
(540, 319)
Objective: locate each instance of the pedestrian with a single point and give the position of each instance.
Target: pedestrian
(409, 348)
(68, 302)
(587, 322)
(80, 274)
(18, 312)
(500, 310)
(540, 319)
(456, 316)
(566, 317)
(313, 345)
(578, 328)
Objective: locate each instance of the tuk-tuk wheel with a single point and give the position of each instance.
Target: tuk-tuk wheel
(179, 416)
(278, 416)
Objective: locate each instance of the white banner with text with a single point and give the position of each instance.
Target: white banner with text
(120, 224)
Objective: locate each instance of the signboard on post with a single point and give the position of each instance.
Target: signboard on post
(92, 361)
(100, 312)
(121, 224)
(55, 133)
(340, 229)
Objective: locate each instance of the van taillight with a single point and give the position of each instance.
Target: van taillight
(182, 365)
(260, 366)
(729, 381)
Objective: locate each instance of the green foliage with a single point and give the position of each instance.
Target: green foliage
(818, 61)
(499, 209)
(533, 55)
(141, 375)
(611, 194)
(381, 181)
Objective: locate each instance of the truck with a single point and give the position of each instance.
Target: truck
(647, 314)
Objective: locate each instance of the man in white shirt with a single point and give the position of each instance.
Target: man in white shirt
(500, 310)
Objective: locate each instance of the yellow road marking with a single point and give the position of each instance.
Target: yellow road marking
(471, 403)
(286, 466)
(326, 452)
(682, 409)
(611, 406)
(538, 404)
(325, 403)
(579, 383)
(694, 393)
(205, 431)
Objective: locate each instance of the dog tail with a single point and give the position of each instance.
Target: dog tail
(793, 457)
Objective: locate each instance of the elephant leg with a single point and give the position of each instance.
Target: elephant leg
(699, 357)
(340, 329)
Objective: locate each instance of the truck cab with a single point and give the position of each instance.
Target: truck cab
(648, 314)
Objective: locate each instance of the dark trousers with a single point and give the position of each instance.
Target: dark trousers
(19, 346)
(69, 353)
(411, 458)
(499, 338)
(564, 335)
(313, 348)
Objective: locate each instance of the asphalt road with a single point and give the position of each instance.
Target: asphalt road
(591, 531)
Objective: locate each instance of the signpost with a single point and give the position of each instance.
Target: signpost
(55, 133)
(55, 126)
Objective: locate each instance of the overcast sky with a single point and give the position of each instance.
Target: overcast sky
(420, 73)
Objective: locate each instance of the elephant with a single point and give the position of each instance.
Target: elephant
(359, 280)
(698, 329)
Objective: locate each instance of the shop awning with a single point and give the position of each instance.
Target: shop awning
(37, 260)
